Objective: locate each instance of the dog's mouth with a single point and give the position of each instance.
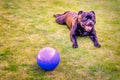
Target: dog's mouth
(88, 28)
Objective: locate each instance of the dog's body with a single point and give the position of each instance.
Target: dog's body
(79, 24)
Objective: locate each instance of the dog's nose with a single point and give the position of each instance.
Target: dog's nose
(90, 23)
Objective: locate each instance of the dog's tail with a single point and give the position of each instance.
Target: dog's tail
(57, 15)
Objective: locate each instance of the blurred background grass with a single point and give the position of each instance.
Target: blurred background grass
(26, 26)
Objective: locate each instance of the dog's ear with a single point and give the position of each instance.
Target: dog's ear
(92, 12)
(80, 12)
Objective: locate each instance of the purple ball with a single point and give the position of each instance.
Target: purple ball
(48, 58)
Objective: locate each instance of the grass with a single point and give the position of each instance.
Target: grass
(26, 26)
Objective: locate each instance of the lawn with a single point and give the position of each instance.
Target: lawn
(26, 26)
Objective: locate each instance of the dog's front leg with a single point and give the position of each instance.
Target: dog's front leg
(93, 37)
(73, 37)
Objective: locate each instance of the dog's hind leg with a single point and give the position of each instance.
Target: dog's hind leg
(60, 18)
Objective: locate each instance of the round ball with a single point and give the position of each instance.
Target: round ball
(48, 58)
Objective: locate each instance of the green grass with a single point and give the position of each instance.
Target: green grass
(26, 26)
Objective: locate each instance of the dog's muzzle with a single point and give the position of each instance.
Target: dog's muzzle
(88, 28)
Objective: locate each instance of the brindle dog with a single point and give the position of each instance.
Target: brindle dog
(79, 24)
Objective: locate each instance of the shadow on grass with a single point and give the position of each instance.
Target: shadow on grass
(35, 73)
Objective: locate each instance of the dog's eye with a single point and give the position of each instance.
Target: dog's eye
(88, 17)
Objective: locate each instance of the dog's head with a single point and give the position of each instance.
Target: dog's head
(87, 20)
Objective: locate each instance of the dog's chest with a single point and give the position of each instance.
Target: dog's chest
(81, 32)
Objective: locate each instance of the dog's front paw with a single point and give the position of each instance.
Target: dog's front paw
(75, 46)
(97, 45)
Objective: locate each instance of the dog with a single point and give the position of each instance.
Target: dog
(79, 24)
